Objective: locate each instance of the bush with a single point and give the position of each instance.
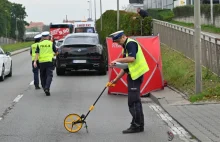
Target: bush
(188, 10)
(161, 14)
(131, 27)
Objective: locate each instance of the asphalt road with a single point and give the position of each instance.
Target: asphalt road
(35, 117)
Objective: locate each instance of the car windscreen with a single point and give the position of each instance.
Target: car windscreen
(81, 40)
(84, 30)
(59, 43)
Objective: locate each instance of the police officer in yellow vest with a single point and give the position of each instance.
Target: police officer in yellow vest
(44, 53)
(137, 67)
(33, 54)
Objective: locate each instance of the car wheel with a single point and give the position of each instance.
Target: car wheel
(10, 74)
(60, 71)
(103, 70)
(2, 77)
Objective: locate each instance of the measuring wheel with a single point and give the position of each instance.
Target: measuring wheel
(73, 123)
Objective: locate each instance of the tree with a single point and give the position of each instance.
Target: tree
(12, 14)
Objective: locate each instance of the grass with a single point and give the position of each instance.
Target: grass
(205, 28)
(179, 72)
(16, 46)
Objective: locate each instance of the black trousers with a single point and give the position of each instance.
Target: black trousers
(46, 74)
(134, 101)
(36, 73)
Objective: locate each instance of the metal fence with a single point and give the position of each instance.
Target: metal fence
(4, 41)
(182, 39)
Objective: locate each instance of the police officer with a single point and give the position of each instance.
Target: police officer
(33, 54)
(137, 67)
(45, 53)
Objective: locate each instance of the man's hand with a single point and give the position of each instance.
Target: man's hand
(112, 63)
(35, 64)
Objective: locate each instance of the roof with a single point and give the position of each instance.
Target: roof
(35, 24)
(82, 34)
(61, 23)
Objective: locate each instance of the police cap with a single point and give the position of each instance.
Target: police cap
(117, 35)
(45, 34)
(38, 36)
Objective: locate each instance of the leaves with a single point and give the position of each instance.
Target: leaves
(10, 14)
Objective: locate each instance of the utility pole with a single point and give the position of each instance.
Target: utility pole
(117, 14)
(95, 9)
(16, 32)
(91, 8)
(197, 47)
(101, 13)
(89, 12)
(211, 6)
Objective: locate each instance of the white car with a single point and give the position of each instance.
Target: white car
(5, 64)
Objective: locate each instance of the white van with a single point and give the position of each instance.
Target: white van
(84, 27)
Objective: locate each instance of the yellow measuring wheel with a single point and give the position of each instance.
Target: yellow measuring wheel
(73, 122)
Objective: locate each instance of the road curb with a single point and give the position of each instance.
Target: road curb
(19, 51)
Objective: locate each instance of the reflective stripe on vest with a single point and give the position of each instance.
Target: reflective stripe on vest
(46, 51)
(33, 49)
(139, 66)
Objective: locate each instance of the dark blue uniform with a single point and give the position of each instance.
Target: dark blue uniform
(36, 72)
(46, 71)
(134, 100)
(143, 13)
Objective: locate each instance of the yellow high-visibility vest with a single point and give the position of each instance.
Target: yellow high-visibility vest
(46, 51)
(139, 66)
(33, 49)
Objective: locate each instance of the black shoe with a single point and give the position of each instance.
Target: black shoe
(37, 87)
(47, 92)
(132, 130)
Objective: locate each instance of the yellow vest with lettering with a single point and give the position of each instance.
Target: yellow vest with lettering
(46, 51)
(139, 66)
(33, 49)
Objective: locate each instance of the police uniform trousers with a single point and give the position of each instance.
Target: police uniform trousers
(134, 101)
(46, 74)
(36, 73)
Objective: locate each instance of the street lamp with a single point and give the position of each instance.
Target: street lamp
(90, 6)
(6, 28)
(89, 12)
(117, 14)
(16, 31)
(95, 9)
(101, 13)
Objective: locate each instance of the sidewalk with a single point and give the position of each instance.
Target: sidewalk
(19, 51)
(202, 120)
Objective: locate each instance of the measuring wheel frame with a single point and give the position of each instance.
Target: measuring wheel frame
(81, 119)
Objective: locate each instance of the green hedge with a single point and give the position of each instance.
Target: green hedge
(186, 11)
(161, 14)
(131, 27)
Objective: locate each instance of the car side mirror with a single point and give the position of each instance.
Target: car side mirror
(8, 53)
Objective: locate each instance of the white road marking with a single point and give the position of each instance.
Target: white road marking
(18, 98)
(0, 118)
(175, 128)
(32, 83)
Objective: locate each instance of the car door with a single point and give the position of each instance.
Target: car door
(5, 60)
(1, 60)
(8, 63)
